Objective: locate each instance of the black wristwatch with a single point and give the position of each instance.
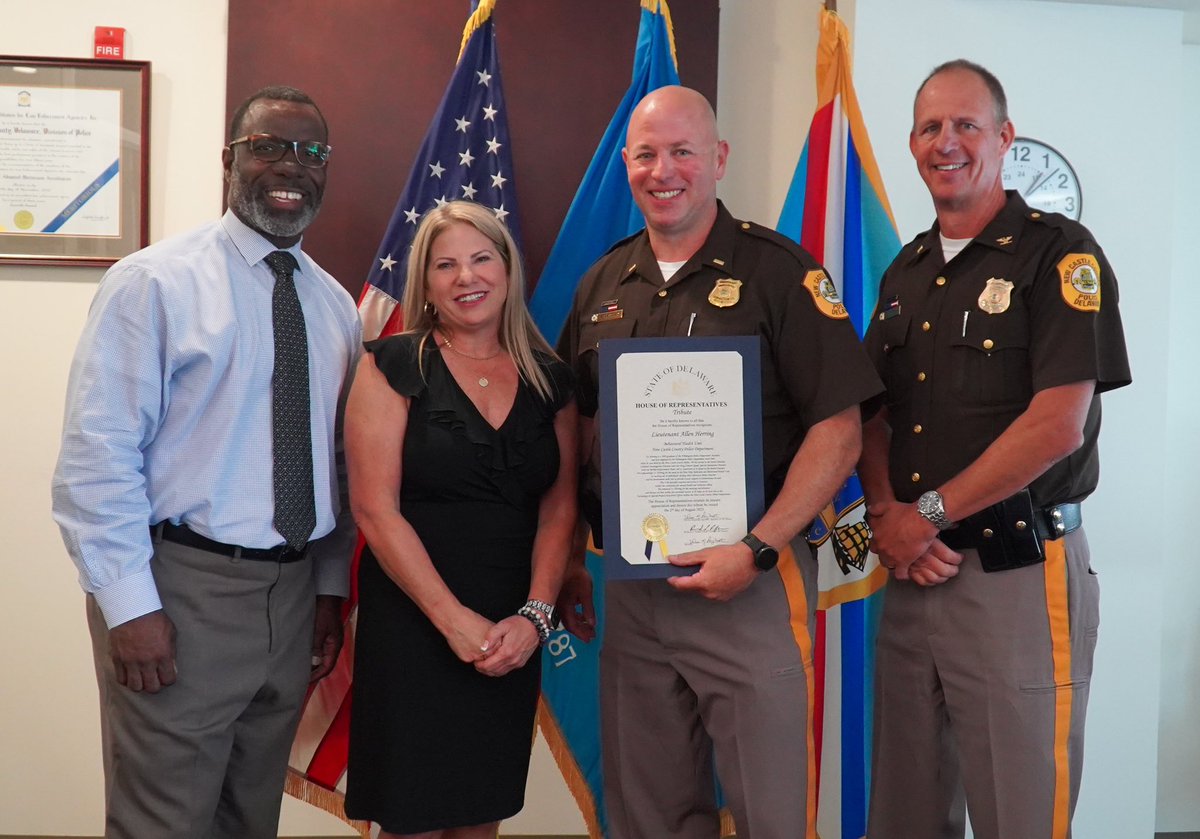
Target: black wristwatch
(765, 557)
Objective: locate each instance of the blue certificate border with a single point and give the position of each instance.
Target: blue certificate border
(749, 348)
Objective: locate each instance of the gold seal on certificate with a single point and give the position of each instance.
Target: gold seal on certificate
(655, 529)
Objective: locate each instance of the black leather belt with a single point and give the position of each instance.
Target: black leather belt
(1049, 523)
(182, 535)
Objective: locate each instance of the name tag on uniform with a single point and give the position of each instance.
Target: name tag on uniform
(890, 309)
(608, 311)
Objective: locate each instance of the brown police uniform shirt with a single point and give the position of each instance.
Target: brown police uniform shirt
(813, 365)
(1029, 304)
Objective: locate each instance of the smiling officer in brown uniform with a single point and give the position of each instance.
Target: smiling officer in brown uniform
(683, 676)
(995, 333)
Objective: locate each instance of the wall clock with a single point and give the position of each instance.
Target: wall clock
(1043, 177)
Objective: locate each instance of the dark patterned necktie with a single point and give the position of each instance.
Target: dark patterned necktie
(291, 413)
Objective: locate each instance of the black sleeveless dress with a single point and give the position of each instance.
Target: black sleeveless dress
(433, 743)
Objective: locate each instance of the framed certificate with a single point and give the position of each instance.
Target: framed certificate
(74, 160)
(681, 425)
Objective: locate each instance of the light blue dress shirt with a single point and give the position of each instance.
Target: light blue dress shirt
(168, 412)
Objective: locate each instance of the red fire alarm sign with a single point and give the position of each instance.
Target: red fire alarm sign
(110, 42)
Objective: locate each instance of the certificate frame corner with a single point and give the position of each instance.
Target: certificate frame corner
(28, 236)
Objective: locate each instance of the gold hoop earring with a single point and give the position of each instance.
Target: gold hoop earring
(431, 310)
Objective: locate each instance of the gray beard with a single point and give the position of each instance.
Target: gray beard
(252, 209)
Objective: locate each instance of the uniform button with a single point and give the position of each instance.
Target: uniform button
(662, 293)
(987, 533)
(988, 343)
(917, 428)
(926, 326)
(940, 281)
(887, 347)
(1020, 525)
(916, 476)
(921, 377)
(1035, 215)
(745, 225)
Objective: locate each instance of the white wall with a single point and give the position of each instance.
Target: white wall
(1179, 728)
(1082, 96)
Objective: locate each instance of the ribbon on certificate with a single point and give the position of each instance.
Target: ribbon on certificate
(83, 197)
(655, 529)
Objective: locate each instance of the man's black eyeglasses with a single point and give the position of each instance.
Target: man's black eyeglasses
(268, 148)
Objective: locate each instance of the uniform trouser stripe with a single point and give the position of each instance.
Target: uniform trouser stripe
(793, 586)
(1060, 645)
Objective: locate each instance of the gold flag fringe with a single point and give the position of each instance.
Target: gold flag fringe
(569, 768)
(482, 12)
(331, 801)
(659, 7)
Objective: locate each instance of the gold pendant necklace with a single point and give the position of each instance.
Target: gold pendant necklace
(483, 380)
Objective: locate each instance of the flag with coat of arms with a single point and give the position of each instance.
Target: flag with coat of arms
(837, 209)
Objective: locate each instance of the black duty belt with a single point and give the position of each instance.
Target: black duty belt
(183, 535)
(1049, 522)
(1011, 533)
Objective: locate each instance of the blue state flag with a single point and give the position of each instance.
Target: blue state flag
(602, 213)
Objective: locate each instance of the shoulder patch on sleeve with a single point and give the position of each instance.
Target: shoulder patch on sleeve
(825, 295)
(1079, 280)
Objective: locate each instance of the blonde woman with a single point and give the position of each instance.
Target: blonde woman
(460, 442)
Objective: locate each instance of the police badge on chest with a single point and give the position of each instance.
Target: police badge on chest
(996, 296)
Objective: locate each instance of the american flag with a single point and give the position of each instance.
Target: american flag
(465, 155)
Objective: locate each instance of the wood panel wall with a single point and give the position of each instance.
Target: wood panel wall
(378, 68)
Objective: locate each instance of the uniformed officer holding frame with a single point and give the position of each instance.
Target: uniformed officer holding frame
(683, 676)
(995, 333)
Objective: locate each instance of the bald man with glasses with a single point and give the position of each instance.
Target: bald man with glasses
(198, 494)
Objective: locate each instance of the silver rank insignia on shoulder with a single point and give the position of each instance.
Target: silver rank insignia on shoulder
(996, 296)
(725, 293)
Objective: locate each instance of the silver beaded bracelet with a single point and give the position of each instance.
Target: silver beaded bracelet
(538, 620)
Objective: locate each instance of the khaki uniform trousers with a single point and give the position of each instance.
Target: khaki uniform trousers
(981, 690)
(683, 680)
